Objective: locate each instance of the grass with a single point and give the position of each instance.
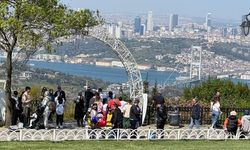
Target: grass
(127, 145)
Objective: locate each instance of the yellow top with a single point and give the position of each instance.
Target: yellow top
(109, 117)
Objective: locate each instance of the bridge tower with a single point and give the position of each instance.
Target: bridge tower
(195, 64)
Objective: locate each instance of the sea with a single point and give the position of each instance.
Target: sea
(109, 74)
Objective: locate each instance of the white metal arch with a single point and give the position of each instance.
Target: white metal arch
(134, 76)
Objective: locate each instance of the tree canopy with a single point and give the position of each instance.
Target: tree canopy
(232, 94)
(28, 25)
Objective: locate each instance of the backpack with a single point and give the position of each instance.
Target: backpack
(59, 109)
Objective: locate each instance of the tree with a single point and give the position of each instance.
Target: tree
(29, 25)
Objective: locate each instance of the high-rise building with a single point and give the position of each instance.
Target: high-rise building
(111, 29)
(234, 32)
(143, 29)
(208, 21)
(150, 24)
(137, 25)
(173, 22)
(117, 31)
(224, 32)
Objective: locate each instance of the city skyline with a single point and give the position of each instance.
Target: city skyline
(193, 8)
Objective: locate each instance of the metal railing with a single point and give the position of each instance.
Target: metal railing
(118, 134)
(185, 114)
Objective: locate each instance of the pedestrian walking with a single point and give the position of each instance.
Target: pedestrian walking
(195, 114)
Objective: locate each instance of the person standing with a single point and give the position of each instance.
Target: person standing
(245, 122)
(88, 95)
(126, 113)
(14, 108)
(195, 115)
(161, 116)
(123, 103)
(134, 116)
(112, 102)
(47, 110)
(117, 117)
(60, 92)
(79, 109)
(99, 104)
(215, 108)
(26, 104)
(59, 111)
(102, 94)
(158, 99)
(232, 123)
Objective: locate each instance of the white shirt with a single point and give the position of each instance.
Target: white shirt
(216, 106)
(126, 110)
(123, 103)
(104, 107)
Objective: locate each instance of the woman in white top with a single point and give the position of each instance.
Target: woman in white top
(215, 108)
(47, 111)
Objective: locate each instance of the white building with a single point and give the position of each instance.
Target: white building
(103, 63)
(48, 57)
(150, 23)
(208, 23)
(118, 32)
(116, 64)
(245, 76)
(25, 75)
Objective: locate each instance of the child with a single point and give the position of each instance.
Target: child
(109, 117)
(101, 120)
(87, 119)
(33, 119)
(59, 111)
(93, 115)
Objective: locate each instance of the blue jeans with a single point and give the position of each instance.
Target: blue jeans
(194, 122)
(215, 117)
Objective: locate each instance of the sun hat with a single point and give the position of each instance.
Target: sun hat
(233, 113)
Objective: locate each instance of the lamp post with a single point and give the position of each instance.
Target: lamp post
(245, 25)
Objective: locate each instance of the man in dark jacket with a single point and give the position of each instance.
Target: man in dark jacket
(195, 116)
(134, 116)
(88, 96)
(117, 118)
(158, 99)
(60, 92)
(161, 116)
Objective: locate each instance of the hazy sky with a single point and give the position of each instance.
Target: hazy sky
(227, 9)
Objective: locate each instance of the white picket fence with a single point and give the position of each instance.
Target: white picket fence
(119, 134)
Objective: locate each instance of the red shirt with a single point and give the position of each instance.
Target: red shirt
(112, 102)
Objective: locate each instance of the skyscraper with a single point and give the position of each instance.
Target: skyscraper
(208, 21)
(173, 22)
(137, 24)
(117, 31)
(143, 29)
(150, 24)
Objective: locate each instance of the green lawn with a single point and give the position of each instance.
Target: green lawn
(128, 145)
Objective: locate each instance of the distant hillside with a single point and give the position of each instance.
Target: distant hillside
(145, 50)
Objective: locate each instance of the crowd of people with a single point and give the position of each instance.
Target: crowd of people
(99, 109)
(92, 109)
